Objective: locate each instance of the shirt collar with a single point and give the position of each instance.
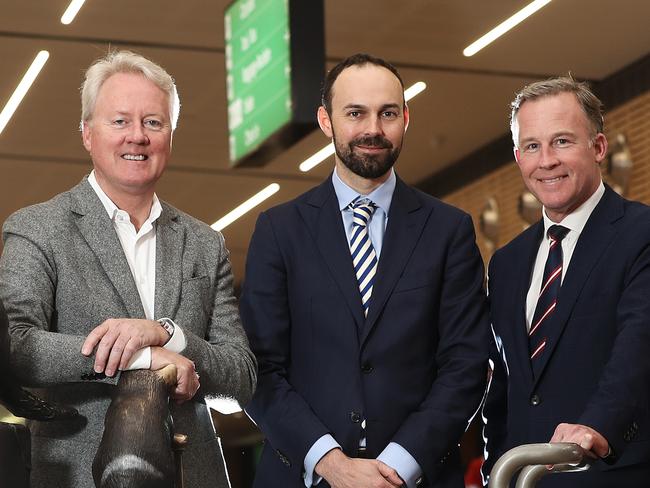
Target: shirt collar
(577, 219)
(112, 209)
(380, 196)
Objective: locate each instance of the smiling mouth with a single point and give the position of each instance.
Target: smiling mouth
(135, 157)
(371, 148)
(551, 180)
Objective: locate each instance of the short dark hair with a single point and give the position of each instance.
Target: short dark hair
(359, 59)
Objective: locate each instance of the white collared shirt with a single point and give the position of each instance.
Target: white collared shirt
(140, 250)
(575, 222)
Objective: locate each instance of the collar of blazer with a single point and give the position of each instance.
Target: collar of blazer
(406, 219)
(601, 228)
(97, 230)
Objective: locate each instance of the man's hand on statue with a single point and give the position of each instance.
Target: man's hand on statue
(116, 340)
(187, 379)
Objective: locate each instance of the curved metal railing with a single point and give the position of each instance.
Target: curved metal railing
(533, 460)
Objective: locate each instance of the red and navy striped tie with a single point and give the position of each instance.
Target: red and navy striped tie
(547, 300)
(363, 253)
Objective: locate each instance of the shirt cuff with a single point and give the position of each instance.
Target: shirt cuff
(140, 360)
(177, 342)
(321, 447)
(401, 461)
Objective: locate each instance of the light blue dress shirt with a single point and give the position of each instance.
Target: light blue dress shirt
(393, 455)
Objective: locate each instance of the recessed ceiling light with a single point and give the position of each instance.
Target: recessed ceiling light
(322, 154)
(504, 27)
(247, 206)
(71, 12)
(22, 88)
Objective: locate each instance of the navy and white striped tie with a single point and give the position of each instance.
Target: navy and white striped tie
(363, 253)
(547, 300)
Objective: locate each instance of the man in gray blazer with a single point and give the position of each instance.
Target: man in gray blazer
(105, 277)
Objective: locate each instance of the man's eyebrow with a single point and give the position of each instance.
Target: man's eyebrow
(391, 105)
(566, 132)
(359, 106)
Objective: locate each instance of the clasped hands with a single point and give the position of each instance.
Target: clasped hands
(340, 471)
(115, 341)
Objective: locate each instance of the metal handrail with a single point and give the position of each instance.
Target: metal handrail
(534, 459)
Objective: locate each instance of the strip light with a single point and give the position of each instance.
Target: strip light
(22, 88)
(72, 11)
(247, 206)
(324, 153)
(504, 27)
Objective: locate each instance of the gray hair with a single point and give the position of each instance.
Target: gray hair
(126, 62)
(591, 105)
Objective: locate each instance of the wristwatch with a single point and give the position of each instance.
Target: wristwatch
(168, 325)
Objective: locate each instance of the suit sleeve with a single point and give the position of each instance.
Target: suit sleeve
(40, 356)
(622, 395)
(281, 413)
(226, 365)
(434, 429)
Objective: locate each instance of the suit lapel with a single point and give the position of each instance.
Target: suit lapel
(323, 218)
(170, 238)
(592, 243)
(525, 272)
(98, 231)
(406, 219)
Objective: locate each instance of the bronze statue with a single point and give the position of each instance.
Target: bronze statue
(136, 447)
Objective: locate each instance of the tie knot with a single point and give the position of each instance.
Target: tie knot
(362, 209)
(557, 232)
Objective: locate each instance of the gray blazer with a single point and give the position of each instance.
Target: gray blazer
(63, 272)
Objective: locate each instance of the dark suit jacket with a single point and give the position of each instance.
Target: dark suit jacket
(596, 370)
(415, 368)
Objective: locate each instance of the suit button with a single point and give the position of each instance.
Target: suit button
(355, 417)
(366, 368)
(535, 400)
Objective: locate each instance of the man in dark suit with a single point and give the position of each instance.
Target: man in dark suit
(569, 300)
(363, 301)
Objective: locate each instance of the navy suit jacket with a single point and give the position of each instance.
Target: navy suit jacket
(415, 369)
(596, 368)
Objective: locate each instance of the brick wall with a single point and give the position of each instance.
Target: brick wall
(505, 184)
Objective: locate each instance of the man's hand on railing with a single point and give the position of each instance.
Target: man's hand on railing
(594, 444)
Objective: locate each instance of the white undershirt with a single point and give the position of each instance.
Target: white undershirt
(140, 250)
(575, 222)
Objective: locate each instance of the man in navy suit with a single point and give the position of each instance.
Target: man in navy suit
(570, 300)
(363, 301)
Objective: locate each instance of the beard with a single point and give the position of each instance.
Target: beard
(368, 165)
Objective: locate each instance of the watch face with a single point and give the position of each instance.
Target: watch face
(168, 325)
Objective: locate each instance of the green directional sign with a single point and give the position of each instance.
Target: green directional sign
(275, 62)
(258, 66)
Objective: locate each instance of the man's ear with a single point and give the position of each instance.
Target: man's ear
(86, 136)
(517, 154)
(600, 147)
(324, 122)
(407, 117)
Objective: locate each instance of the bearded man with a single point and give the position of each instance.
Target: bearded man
(363, 301)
